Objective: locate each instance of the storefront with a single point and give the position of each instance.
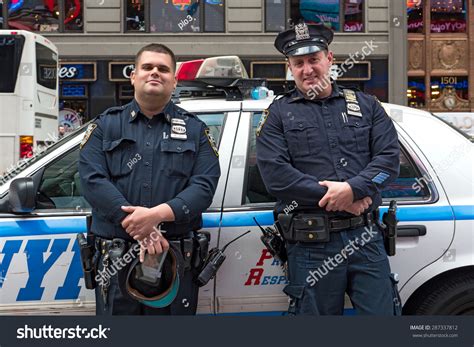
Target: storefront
(75, 78)
(440, 42)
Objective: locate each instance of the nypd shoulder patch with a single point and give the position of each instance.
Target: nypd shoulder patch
(87, 134)
(212, 141)
(262, 121)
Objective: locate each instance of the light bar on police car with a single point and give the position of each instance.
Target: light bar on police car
(215, 67)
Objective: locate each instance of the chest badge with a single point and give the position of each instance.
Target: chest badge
(178, 132)
(352, 104)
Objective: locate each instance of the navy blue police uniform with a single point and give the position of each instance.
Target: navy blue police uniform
(345, 137)
(127, 159)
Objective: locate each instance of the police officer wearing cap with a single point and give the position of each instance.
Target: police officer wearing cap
(332, 150)
(145, 166)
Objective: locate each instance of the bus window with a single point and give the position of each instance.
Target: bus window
(47, 66)
(11, 48)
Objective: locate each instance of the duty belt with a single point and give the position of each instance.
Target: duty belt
(316, 227)
(338, 224)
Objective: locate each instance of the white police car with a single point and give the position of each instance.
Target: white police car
(40, 270)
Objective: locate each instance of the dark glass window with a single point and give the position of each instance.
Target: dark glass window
(275, 15)
(457, 84)
(214, 16)
(255, 191)
(177, 16)
(215, 123)
(1, 15)
(448, 16)
(415, 16)
(73, 20)
(33, 15)
(339, 15)
(60, 186)
(11, 48)
(46, 66)
(135, 15)
(46, 16)
(410, 184)
(353, 16)
(416, 92)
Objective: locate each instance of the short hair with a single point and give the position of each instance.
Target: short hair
(158, 48)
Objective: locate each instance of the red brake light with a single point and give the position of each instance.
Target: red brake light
(26, 146)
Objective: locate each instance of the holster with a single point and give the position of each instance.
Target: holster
(89, 256)
(304, 227)
(194, 249)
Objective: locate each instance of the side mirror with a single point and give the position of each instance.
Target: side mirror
(22, 195)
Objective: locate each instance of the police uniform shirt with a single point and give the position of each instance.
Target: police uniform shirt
(127, 159)
(305, 141)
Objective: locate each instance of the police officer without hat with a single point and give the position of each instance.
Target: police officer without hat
(332, 150)
(144, 164)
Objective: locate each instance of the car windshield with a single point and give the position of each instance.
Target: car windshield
(22, 164)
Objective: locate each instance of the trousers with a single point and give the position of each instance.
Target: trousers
(353, 262)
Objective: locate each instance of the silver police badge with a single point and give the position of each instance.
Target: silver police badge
(178, 132)
(301, 31)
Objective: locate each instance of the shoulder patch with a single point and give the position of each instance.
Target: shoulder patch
(377, 99)
(212, 141)
(262, 121)
(88, 134)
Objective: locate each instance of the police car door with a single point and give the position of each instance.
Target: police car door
(40, 269)
(426, 218)
(250, 280)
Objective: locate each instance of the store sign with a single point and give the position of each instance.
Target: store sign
(120, 71)
(448, 26)
(77, 71)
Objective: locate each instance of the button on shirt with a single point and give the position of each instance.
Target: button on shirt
(132, 160)
(305, 141)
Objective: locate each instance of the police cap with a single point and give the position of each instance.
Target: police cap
(304, 39)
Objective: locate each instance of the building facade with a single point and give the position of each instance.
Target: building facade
(97, 40)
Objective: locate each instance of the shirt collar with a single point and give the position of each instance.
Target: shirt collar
(297, 95)
(134, 111)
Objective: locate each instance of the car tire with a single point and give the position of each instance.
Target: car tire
(445, 296)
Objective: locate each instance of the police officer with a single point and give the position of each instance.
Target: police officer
(330, 151)
(147, 164)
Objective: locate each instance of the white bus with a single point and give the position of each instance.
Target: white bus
(28, 95)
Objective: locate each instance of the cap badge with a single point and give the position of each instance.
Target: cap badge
(302, 32)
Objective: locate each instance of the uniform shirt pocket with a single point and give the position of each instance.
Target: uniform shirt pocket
(178, 157)
(302, 137)
(121, 156)
(357, 135)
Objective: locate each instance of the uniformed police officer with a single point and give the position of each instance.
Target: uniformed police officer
(330, 150)
(145, 164)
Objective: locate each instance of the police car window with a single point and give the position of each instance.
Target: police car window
(254, 189)
(410, 184)
(60, 186)
(215, 123)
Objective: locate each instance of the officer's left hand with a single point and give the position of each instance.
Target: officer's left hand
(140, 222)
(338, 197)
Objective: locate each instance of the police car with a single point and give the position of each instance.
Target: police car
(40, 269)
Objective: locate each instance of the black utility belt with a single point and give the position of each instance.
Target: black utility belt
(193, 249)
(312, 227)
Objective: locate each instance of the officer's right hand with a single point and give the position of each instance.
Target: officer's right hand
(359, 206)
(154, 243)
